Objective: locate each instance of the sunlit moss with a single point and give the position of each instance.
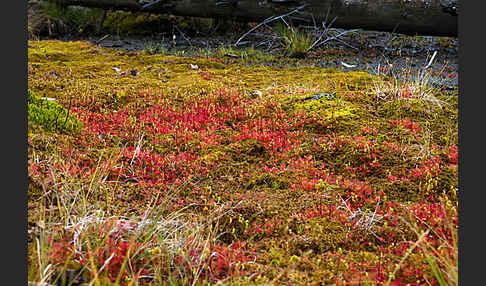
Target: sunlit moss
(50, 115)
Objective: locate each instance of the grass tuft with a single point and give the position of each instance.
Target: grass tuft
(296, 43)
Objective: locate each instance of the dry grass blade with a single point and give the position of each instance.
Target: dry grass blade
(401, 89)
(442, 259)
(407, 254)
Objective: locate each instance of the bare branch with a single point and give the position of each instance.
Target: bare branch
(271, 19)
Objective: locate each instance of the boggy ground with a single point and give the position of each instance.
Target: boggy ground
(205, 170)
(369, 51)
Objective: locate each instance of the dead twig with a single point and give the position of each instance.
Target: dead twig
(321, 42)
(102, 38)
(361, 220)
(271, 19)
(183, 36)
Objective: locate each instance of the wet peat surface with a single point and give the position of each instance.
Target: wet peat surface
(397, 55)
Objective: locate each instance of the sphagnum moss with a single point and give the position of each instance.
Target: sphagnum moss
(314, 189)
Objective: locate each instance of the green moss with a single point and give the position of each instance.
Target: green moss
(445, 42)
(34, 190)
(50, 115)
(328, 109)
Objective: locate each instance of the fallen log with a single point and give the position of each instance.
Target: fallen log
(424, 17)
(128, 5)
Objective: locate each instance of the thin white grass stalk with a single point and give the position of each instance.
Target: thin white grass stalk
(94, 175)
(45, 273)
(376, 208)
(84, 196)
(344, 203)
(138, 148)
(58, 197)
(431, 60)
(419, 87)
(39, 259)
(202, 260)
(75, 200)
(107, 261)
(95, 280)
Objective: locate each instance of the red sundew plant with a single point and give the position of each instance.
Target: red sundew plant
(322, 211)
(60, 251)
(151, 169)
(227, 261)
(391, 178)
(409, 273)
(369, 130)
(452, 155)
(360, 191)
(275, 139)
(113, 257)
(405, 92)
(205, 75)
(413, 127)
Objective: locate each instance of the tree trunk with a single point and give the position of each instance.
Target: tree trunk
(426, 17)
